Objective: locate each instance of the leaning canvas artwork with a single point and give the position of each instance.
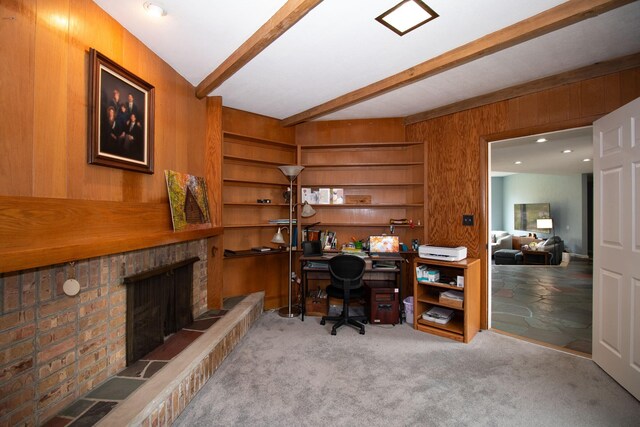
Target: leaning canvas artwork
(188, 200)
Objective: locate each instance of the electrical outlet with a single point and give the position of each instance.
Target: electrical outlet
(467, 219)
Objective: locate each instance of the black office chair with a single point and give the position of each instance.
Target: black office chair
(346, 283)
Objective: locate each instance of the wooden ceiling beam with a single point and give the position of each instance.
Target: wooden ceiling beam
(590, 71)
(290, 13)
(545, 22)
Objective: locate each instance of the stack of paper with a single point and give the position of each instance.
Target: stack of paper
(454, 295)
(352, 251)
(438, 315)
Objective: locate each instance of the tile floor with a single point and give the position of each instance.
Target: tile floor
(551, 304)
(89, 409)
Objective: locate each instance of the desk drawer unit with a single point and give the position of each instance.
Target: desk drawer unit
(382, 302)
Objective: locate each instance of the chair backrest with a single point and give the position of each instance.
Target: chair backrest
(346, 271)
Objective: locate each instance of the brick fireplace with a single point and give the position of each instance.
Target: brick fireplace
(55, 348)
(158, 305)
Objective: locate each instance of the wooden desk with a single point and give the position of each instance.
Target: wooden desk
(371, 274)
(536, 257)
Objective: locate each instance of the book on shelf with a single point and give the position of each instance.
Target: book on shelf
(262, 249)
(439, 315)
(281, 221)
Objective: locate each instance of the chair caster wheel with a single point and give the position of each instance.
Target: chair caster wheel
(333, 332)
(361, 332)
(322, 322)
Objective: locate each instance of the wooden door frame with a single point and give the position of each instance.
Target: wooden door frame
(484, 142)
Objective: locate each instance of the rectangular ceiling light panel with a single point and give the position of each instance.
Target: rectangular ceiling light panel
(407, 16)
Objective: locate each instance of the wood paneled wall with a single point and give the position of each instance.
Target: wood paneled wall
(350, 131)
(43, 124)
(456, 151)
(43, 121)
(256, 125)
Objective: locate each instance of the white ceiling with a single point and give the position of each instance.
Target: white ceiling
(545, 157)
(338, 47)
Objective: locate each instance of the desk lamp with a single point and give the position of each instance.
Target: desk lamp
(307, 211)
(291, 172)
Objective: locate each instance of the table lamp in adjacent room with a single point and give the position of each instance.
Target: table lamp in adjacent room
(545, 224)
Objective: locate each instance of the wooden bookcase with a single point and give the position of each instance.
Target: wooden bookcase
(466, 320)
(250, 173)
(390, 173)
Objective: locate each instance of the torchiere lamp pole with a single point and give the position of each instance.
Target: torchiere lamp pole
(292, 173)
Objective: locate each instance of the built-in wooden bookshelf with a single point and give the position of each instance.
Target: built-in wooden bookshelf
(250, 174)
(253, 148)
(391, 174)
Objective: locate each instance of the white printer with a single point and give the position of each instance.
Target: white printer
(442, 253)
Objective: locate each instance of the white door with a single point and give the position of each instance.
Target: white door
(616, 269)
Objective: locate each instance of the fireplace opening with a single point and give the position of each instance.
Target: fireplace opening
(158, 305)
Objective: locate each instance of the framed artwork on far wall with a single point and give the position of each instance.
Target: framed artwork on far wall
(121, 117)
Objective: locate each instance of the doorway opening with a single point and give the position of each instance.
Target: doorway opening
(541, 272)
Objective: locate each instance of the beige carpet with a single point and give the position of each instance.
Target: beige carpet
(287, 372)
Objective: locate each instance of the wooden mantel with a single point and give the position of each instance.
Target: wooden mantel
(36, 231)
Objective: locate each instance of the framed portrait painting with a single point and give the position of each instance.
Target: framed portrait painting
(121, 117)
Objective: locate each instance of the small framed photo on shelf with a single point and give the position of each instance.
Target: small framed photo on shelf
(324, 197)
(337, 196)
(330, 240)
(310, 195)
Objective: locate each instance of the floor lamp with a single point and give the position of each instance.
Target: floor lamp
(292, 173)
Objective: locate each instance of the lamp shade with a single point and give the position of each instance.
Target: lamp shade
(307, 210)
(278, 238)
(544, 223)
(291, 171)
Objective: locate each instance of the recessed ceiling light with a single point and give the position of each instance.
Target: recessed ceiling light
(517, 162)
(541, 140)
(407, 16)
(586, 160)
(567, 151)
(154, 9)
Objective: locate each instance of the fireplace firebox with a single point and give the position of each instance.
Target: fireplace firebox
(158, 305)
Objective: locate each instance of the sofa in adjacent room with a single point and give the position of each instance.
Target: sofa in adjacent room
(555, 245)
(500, 240)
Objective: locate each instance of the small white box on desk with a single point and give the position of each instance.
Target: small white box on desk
(442, 253)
